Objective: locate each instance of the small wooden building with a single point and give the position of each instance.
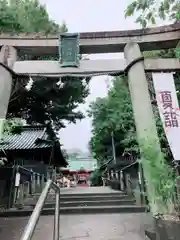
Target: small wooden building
(134, 182)
(114, 170)
(131, 177)
(31, 147)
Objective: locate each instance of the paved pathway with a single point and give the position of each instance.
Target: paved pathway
(81, 227)
(103, 227)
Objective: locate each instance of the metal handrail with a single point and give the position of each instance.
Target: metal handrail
(33, 220)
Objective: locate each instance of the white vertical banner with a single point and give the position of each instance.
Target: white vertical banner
(169, 109)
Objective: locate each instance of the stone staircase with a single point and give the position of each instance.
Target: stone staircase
(91, 203)
(82, 203)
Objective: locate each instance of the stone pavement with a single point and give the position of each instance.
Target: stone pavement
(103, 227)
(87, 190)
(81, 227)
(117, 226)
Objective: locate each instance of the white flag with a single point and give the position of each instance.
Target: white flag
(169, 109)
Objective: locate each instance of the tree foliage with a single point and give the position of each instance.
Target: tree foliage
(114, 114)
(27, 16)
(13, 125)
(48, 99)
(149, 11)
(96, 177)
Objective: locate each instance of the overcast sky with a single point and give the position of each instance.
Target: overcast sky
(86, 16)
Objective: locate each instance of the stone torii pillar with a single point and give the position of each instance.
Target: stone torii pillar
(8, 56)
(141, 103)
(142, 108)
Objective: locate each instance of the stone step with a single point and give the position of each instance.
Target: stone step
(103, 209)
(65, 198)
(67, 194)
(76, 210)
(111, 194)
(89, 203)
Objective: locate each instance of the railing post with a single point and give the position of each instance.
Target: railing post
(32, 223)
(21, 196)
(33, 183)
(36, 176)
(54, 175)
(38, 183)
(26, 189)
(30, 185)
(48, 174)
(108, 175)
(42, 181)
(128, 184)
(117, 176)
(29, 188)
(56, 215)
(121, 181)
(33, 220)
(17, 185)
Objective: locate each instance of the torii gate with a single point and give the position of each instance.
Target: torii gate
(132, 42)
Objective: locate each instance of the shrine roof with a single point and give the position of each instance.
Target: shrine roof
(33, 137)
(81, 163)
(28, 138)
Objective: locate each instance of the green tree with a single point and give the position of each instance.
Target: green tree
(13, 125)
(114, 114)
(148, 11)
(27, 16)
(48, 100)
